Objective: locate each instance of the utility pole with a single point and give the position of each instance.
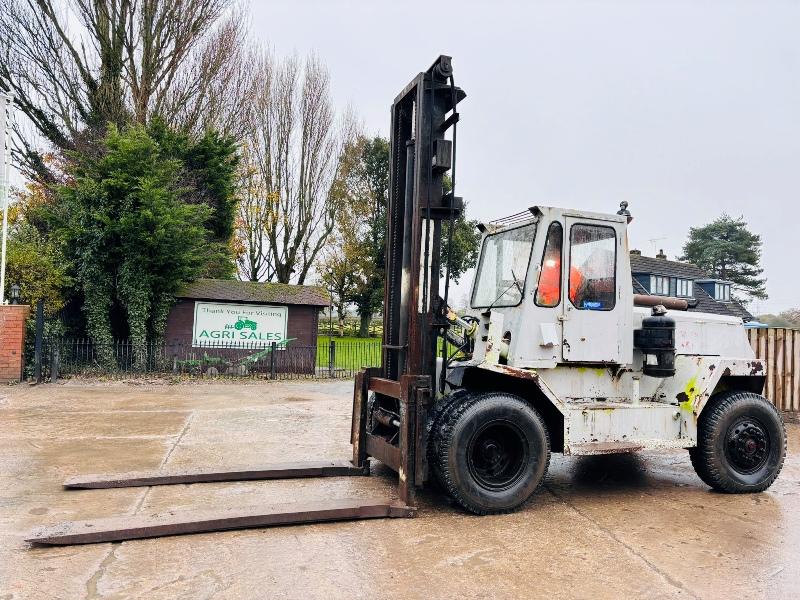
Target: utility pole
(6, 100)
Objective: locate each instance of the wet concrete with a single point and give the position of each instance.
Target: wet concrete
(639, 526)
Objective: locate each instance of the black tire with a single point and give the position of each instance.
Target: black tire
(440, 410)
(741, 443)
(492, 452)
(370, 412)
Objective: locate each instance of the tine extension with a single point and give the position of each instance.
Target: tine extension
(115, 529)
(330, 468)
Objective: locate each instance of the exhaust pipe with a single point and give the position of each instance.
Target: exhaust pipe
(665, 301)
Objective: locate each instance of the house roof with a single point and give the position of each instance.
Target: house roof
(661, 266)
(638, 288)
(707, 304)
(230, 290)
(647, 265)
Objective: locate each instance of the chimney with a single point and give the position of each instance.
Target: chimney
(636, 252)
(661, 254)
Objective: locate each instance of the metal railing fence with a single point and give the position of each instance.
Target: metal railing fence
(123, 358)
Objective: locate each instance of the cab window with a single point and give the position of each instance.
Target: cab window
(548, 293)
(500, 280)
(592, 267)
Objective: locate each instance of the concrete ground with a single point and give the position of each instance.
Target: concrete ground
(603, 527)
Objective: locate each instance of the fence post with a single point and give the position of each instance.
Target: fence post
(37, 368)
(272, 352)
(54, 356)
(331, 358)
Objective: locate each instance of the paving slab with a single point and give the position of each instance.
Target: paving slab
(632, 526)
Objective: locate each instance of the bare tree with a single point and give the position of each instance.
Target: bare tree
(339, 273)
(76, 65)
(253, 259)
(297, 143)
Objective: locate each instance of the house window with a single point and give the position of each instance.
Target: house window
(659, 285)
(592, 267)
(683, 288)
(722, 291)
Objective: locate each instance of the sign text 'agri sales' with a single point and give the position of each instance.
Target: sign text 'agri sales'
(238, 325)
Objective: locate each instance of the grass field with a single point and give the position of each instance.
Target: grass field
(351, 353)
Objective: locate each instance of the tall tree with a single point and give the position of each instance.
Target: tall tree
(37, 266)
(364, 178)
(726, 249)
(466, 241)
(253, 259)
(208, 170)
(340, 270)
(296, 144)
(368, 191)
(129, 237)
(77, 65)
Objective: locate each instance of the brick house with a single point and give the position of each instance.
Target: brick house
(661, 277)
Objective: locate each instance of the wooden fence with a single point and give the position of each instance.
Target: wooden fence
(780, 348)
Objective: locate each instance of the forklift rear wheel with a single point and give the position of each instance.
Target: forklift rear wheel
(492, 452)
(741, 443)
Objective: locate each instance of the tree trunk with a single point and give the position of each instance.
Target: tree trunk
(363, 331)
(340, 313)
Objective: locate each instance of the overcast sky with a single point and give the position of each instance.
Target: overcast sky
(683, 109)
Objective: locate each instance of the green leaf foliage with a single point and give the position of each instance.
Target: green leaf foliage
(465, 247)
(207, 175)
(466, 241)
(130, 237)
(372, 174)
(727, 250)
(368, 188)
(37, 266)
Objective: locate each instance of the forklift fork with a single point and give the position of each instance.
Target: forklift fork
(400, 458)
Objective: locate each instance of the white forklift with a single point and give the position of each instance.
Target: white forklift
(567, 359)
(562, 358)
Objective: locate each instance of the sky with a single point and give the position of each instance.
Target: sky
(685, 110)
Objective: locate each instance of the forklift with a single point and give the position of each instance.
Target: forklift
(561, 356)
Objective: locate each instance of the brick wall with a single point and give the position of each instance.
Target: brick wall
(301, 324)
(12, 341)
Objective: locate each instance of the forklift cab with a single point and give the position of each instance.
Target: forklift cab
(557, 287)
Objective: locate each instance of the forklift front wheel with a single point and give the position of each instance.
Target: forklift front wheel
(492, 451)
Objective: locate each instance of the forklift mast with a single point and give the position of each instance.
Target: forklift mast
(391, 404)
(420, 157)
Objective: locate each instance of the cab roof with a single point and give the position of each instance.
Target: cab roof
(534, 213)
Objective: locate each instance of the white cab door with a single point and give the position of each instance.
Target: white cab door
(595, 315)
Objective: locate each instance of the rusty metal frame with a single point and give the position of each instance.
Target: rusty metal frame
(403, 456)
(295, 470)
(117, 529)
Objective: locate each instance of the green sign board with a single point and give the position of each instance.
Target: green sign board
(225, 325)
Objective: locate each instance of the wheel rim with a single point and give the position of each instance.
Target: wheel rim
(497, 455)
(747, 445)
